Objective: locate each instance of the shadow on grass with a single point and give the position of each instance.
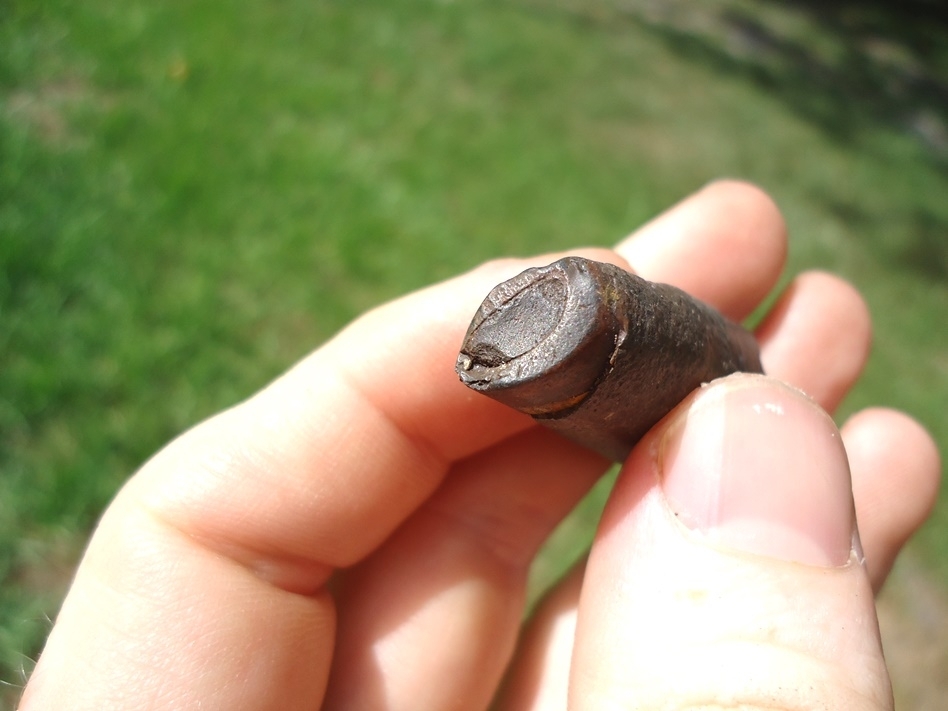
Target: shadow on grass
(859, 65)
(918, 243)
(850, 68)
(881, 70)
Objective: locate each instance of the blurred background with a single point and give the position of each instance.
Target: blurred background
(194, 195)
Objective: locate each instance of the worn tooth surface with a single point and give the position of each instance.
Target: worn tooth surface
(596, 353)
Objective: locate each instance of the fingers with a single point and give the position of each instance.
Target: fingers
(154, 621)
(316, 470)
(726, 245)
(896, 470)
(430, 620)
(538, 680)
(812, 343)
(321, 468)
(311, 474)
(817, 337)
(210, 565)
(724, 573)
(411, 644)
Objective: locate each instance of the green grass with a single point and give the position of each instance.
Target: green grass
(194, 195)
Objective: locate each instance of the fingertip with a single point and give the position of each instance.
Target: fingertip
(754, 465)
(892, 437)
(896, 472)
(744, 192)
(852, 308)
(764, 233)
(745, 563)
(817, 336)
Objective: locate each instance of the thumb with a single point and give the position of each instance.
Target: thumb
(727, 571)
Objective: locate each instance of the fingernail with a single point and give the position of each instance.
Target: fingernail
(754, 465)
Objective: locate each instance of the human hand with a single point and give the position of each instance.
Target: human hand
(358, 534)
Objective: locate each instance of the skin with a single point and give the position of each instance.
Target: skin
(339, 542)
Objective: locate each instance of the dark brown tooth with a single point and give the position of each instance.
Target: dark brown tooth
(596, 353)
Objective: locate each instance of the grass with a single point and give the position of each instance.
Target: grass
(194, 195)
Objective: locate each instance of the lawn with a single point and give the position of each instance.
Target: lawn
(193, 195)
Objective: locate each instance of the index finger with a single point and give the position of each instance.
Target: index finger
(204, 584)
(317, 469)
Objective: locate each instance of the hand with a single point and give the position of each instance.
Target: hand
(357, 535)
